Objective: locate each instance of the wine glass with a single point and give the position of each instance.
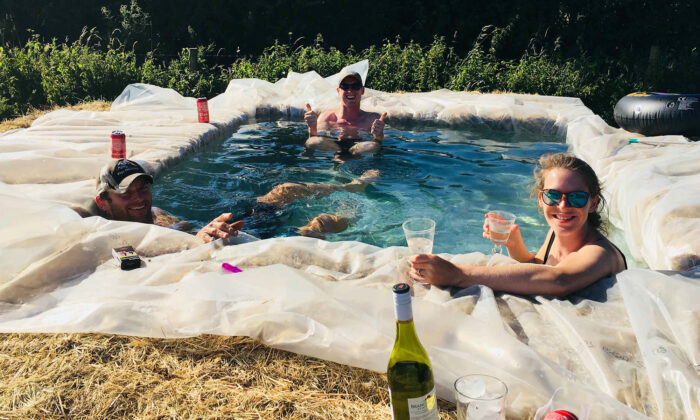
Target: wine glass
(499, 228)
(419, 233)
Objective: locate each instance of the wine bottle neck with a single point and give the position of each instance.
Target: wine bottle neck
(402, 307)
(404, 313)
(405, 326)
(406, 332)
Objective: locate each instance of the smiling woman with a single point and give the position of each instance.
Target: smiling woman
(574, 255)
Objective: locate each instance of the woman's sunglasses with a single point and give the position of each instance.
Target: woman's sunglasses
(576, 199)
(349, 86)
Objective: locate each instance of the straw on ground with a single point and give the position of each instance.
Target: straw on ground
(104, 376)
(26, 120)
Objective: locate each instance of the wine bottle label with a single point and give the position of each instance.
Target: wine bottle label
(422, 408)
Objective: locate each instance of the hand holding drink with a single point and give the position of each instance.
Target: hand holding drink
(419, 233)
(498, 226)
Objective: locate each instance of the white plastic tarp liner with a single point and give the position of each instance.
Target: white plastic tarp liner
(653, 190)
(627, 347)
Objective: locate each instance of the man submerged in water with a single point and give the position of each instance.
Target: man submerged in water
(124, 193)
(349, 119)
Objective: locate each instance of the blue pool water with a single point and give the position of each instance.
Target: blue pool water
(452, 176)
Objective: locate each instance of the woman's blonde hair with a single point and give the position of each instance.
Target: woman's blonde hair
(576, 165)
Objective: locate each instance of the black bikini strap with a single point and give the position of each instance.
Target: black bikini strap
(549, 246)
(624, 260)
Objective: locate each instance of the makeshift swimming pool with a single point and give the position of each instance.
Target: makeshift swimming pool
(627, 347)
(452, 176)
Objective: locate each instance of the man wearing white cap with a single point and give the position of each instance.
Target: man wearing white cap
(124, 193)
(348, 119)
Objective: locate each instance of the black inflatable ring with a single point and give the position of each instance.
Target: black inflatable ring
(657, 114)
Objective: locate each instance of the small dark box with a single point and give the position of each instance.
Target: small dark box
(126, 257)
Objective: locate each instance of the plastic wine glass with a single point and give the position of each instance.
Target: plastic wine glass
(419, 232)
(499, 227)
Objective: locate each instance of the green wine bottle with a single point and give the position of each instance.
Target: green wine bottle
(410, 375)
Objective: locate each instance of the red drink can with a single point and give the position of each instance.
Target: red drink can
(118, 144)
(560, 415)
(203, 110)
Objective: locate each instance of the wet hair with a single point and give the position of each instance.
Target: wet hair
(578, 166)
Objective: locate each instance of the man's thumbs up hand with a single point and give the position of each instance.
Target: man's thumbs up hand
(377, 129)
(310, 118)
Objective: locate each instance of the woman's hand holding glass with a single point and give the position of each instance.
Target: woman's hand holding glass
(435, 270)
(514, 239)
(515, 243)
(500, 223)
(419, 233)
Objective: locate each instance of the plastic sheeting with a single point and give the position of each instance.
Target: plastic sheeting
(627, 347)
(653, 190)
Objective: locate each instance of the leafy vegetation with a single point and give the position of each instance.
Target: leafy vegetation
(561, 48)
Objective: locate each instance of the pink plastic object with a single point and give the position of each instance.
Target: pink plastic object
(560, 415)
(233, 269)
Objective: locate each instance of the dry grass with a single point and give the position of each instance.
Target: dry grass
(26, 120)
(101, 376)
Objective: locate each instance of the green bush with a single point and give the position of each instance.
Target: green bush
(43, 74)
(316, 58)
(194, 77)
(479, 71)
(410, 67)
(20, 80)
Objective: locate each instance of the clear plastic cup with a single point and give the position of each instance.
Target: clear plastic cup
(480, 397)
(499, 228)
(420, 233)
